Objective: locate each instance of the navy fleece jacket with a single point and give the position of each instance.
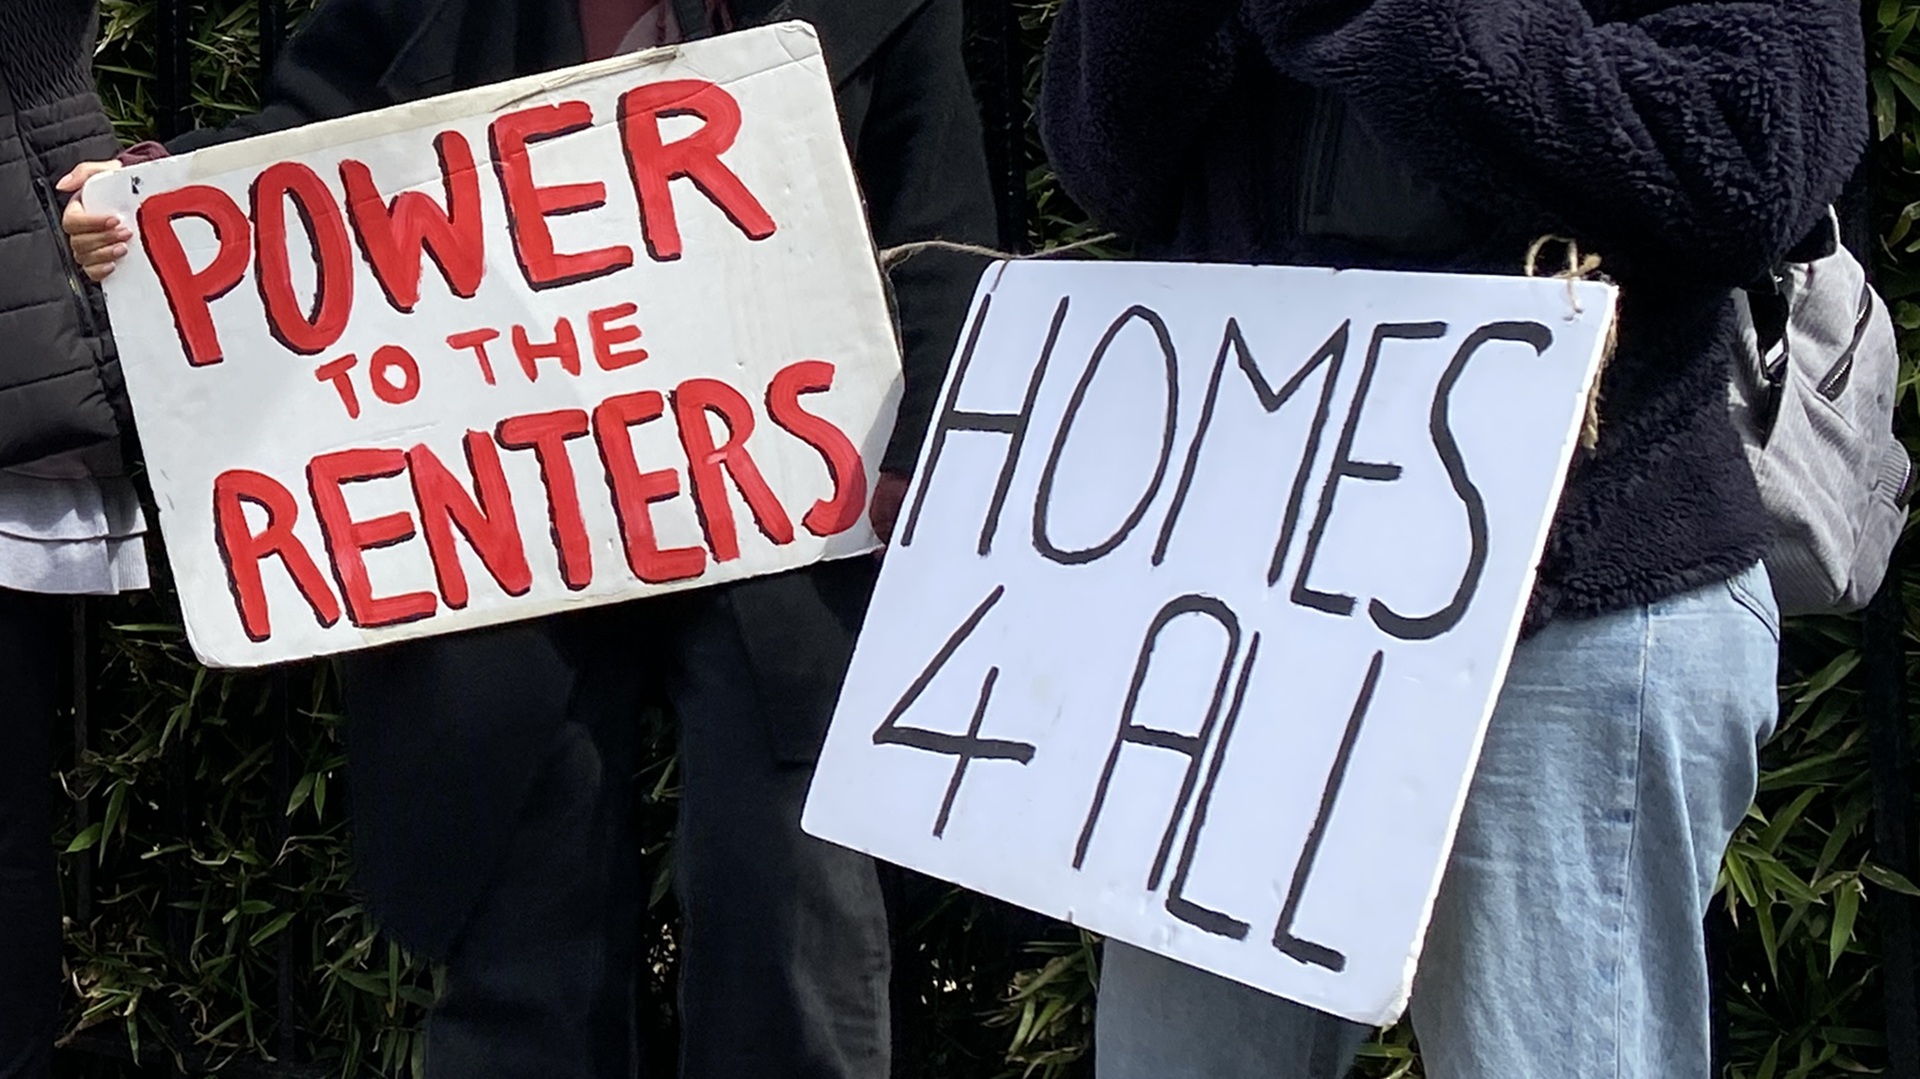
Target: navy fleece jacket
(1691, 145)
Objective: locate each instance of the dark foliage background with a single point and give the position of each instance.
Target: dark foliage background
(211, 925)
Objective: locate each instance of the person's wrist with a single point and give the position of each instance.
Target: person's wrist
(889, 493)
(142, 152)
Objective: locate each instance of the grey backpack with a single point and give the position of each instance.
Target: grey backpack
(1815, 375)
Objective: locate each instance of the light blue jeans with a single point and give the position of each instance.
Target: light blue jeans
(1567, 936)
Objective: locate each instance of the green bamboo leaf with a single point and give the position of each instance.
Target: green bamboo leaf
(1769, 939)
(1858, 1037)
(1845, 828)
(271, 929)
(1888, 879)
(1782, 822)
(1897, 36)
(116, 812)
(1736, 869)
(366, 983)
(1769, 1064)
(1778, 880)
(1846, 907)
(85, 840)
(1886, 110)
(301, 791)
(1835, 672)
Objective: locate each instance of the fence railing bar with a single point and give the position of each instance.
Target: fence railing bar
(1884, 684)
(286, 976)
(999, 57)
(273, 34)
(1883, 704)
(174, 67)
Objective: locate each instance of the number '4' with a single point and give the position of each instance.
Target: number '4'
(968, 747)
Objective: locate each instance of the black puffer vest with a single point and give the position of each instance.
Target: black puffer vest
(60, 386)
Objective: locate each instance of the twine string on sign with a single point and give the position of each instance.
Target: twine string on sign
(893, 256)
(1580, 267)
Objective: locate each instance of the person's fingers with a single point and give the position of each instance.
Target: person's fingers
(77, 177)
(97, 255)
(105, 254)
(97, 240)
(77, 221)
(85, 246)
(100, 259)
(99, 268)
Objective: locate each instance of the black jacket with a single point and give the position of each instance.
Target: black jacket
(1690, 144)
(60, 385)
(435, 792)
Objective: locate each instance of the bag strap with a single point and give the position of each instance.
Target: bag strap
(1767, 297)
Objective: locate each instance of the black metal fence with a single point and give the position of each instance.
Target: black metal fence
(1000, 55)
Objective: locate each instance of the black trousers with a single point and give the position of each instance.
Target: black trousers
(30, 634)
(784, 945)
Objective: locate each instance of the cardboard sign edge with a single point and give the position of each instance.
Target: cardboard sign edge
(1393, 1008)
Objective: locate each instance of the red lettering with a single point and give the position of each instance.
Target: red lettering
(634, 491)
(387, 360)
(190, 293)
(302, 330)
(607, 337)
(335, 371)
(243, 549)
(477, 341)
(546, 434)
(653, 164)
(706, 463)
(486, 518)
(348, 540)
(393, 236)
(828, 517)
(529, 205)
(564, 347)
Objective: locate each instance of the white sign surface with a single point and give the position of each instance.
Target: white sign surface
(1201, 600)
(563, 341)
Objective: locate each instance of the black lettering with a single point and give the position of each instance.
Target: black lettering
(1044, 498)
(1306, 951)
(1193, 747)
(1331, 356)
(1433, 625)
(1014, 425)
(1345, 467)
(1178, 905)
(968, 747)
(967, 754)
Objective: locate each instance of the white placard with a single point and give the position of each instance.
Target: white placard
(1202, 597)
(568, 340)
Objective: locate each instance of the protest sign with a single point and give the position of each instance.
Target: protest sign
(562, 341)
(1201, 600)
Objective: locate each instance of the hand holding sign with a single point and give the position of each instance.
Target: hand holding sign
(567, 340)
(1207, 583)
(99, 241)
